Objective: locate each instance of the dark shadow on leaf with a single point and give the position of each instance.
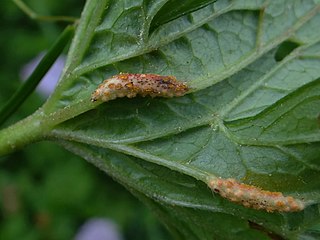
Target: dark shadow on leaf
(285, 49)
(174, 9)
(272, 235)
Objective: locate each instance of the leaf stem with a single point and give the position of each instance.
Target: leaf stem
(26, 131)
(37, 126)
(28, 87)
(91, 17)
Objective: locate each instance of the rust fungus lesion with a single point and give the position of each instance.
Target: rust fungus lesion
(130, 85)
(254, 197)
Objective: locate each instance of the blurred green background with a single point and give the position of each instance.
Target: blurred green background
(45, 191)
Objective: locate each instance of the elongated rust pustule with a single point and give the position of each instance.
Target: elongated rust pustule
(254, 197)
(130, 85)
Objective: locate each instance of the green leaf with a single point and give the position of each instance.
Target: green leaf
(293, 119)
(186, 205)
(174, 9)
(248, 115)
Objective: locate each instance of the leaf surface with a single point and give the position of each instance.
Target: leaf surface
(247, 116)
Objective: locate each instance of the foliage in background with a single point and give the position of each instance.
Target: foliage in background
(35, 180)
(252, 114)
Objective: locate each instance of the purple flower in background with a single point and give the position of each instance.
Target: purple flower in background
(49, 81)
(98, 229)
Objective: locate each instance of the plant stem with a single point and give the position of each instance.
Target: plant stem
(37, 126)
(26, 131)
(28, 87)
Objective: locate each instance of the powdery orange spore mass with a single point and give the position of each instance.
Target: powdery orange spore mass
(129, 85)
(254, 197)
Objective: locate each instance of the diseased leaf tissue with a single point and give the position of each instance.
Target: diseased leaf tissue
(129, 85)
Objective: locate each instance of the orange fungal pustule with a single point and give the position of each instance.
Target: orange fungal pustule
(254, 197)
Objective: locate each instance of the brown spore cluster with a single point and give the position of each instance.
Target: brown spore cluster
(130, 85)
